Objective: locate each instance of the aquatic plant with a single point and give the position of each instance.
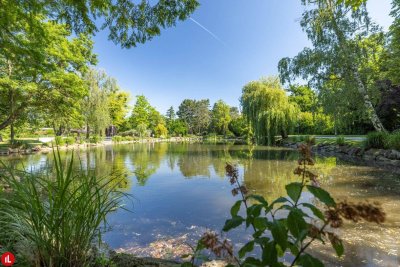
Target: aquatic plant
(287, 225)
(55, 220)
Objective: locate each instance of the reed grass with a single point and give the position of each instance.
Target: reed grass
(54, 220)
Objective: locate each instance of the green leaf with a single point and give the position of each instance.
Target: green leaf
(246, 248)
(260, 223)
(233, 223)
(338, 246)
(186, 264)
(279, 233)
(315, 210)
(269, 254)
(251, 261)
(307, 260)
(279, 200)
(294, 191)
(262, 240)
(260, 199)
(296, 224)
(235, 208)
(322, 195)
(254, 210)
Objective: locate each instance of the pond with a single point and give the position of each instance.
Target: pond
(180, 190)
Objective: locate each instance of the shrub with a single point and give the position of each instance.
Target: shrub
(117, 138)
(340, 141)
(129, 138)
(59, 140)
(393, 141)
(287, 225)
(376, 140)
(129, 133)
(69, 140)
(309, 139)
(94, 139)
(55, 220)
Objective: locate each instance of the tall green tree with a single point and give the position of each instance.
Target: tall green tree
(170, 115)
(267, 109)
(334, 29)
(95, 106)
(144, 115)
(220, 117)
(140, 112)
(196, 114)
(46, 80)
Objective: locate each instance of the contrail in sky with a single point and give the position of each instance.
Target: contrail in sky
(207, 30)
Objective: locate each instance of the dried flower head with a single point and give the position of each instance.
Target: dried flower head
(219, 248)
(361, 211)
(333, 218)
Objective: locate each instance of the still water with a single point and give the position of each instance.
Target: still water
(180, 190)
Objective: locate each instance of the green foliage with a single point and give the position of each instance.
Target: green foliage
(309, 139)
(58, 59)
(287, 225)
(345, 57)
(340, 141)
(177, 128)
(128, 22)
(220, 117)
(161, 131)
(268, 110)
(142, 130)
(195, 114)
(69, 140)
(59, 218)
(393, 141)
(144, 116)
(59, 140)
(117, 138)
(239, 127)
(376, 140)
(94, 139)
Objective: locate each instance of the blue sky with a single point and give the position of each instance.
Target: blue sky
(186, 61)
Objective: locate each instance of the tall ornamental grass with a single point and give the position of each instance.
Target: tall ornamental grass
(55, 220)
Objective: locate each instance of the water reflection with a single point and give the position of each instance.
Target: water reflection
(180, 189)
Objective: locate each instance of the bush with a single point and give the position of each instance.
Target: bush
(69, 140)
(129, 133)
(340, 141)
(117, 138)
(129, 138)
(309, 139)
(393, 141)
(59, 140)
(376, 140)
(55, 220)
(94, 139)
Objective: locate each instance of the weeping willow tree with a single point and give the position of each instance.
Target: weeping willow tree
(267, 109)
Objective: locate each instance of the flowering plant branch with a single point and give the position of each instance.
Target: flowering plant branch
(275, 234)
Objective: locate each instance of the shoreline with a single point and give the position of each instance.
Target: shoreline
(46, 149)
(383, 158)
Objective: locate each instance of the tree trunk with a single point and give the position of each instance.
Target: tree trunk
(87, 131)
(12, 133)
(376, 122)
